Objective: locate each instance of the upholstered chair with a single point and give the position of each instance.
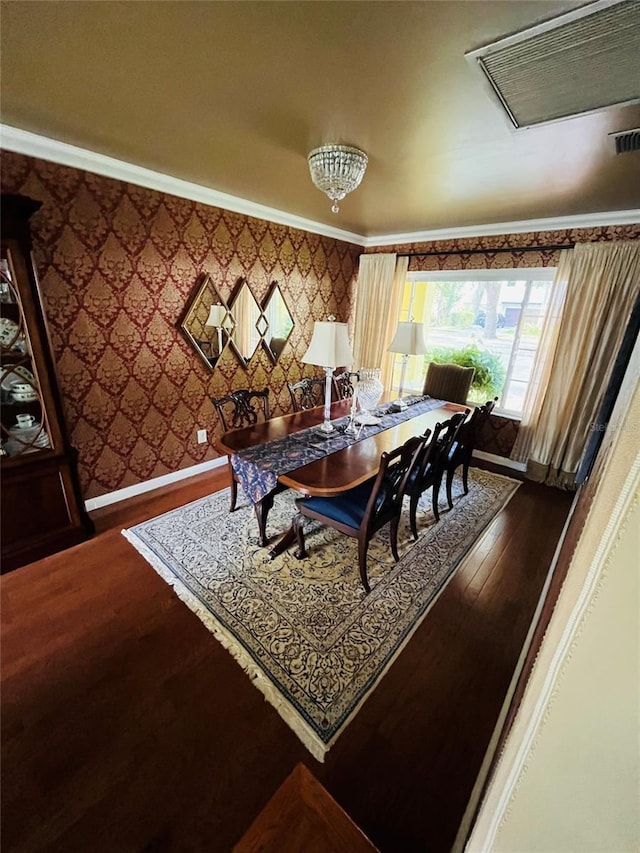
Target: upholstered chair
(362, 511)
(448, 382)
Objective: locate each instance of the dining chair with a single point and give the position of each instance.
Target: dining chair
(307, 394)
(429, 468)
(241, 408)
(449, 382)
(343, 383)
(462, 448)
(363, 510)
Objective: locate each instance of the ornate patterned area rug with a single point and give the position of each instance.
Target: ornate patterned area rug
(306, 632)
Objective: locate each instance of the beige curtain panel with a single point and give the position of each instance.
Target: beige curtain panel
(602, 283)
(381, 280)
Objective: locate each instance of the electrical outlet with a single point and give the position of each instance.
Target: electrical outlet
(202, 436)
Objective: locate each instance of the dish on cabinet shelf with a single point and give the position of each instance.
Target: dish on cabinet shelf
(16, 373)
(9, 333)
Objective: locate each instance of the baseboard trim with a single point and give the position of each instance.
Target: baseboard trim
(500, 460)
(155, 483)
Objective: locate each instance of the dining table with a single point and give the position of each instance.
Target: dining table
(292, 451)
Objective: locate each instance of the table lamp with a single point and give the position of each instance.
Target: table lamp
(329, 348)
(216, 318)
(408, 340)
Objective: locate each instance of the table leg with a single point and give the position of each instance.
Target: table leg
(286, 540)
(262, 511)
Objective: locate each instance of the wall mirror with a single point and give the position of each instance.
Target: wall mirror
(278, 323)
(207, 324)
(248, 322)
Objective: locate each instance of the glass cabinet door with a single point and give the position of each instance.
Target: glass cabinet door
(23, 422)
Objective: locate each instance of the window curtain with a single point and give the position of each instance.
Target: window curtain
(381, 279)
(594, 292)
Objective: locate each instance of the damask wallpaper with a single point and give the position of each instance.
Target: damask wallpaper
(504, 251)
(117, 264)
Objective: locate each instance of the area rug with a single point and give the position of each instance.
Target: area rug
(305, 631)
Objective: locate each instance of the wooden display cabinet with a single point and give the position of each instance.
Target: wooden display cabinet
(42, 510)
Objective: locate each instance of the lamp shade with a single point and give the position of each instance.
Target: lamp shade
(216, 315)
(409, 339)
(329, 346)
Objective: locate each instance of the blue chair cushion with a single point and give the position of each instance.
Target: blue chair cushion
(348, 508)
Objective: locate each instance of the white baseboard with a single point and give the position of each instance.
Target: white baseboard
(155, 483)
(500, 460)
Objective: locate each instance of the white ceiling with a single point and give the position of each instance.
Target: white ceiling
(231, 96)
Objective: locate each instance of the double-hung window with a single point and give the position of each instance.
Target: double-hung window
(489, 319)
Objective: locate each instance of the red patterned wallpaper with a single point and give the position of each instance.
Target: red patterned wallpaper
(480, 252)
(117, 264)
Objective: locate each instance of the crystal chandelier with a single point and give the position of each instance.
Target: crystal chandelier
(337, 170)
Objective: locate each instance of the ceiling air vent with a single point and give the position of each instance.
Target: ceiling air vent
(577, 63)
(627, 140)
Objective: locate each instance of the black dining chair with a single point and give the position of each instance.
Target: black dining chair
(462, 448)
(343, 384)
(307, 394)
(429, 468)
(241, 408)
(363, 510)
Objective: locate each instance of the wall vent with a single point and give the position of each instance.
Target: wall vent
(627, 141)
(580, 62)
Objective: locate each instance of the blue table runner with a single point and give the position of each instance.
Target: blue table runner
(258, 468)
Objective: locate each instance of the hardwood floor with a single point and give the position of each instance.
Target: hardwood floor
(127, 727)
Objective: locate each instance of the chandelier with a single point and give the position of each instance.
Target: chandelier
(337, 170)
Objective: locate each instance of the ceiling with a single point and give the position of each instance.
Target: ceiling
(233, 95)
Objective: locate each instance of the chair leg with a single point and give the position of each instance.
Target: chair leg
(413, 507)
(393, 530)
(435, 496)
(465, 477)
(363, 544)
(450, 474)
(297, 526)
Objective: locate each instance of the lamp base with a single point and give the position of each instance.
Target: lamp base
(327, 427)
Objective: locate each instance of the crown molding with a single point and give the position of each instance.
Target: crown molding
(34, 145)
(497, 229)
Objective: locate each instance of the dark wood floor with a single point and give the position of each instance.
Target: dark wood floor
(127, 727)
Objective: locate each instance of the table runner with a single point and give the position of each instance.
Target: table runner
(258, 468)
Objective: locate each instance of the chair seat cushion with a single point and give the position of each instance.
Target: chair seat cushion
(348, 508)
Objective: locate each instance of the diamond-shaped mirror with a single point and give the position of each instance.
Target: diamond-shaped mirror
(245, 314)
(279, 323)
(206, 323)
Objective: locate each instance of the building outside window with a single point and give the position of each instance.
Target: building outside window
(489, 319)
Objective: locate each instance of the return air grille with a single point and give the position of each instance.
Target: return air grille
(586, 60)
(627, 141)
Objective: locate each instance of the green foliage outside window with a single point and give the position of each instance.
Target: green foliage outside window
(490, 372)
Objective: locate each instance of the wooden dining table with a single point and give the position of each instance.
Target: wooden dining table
(337, 471)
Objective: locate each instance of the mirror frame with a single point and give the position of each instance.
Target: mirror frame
(240, 285)
(194, 303)
(273, 290)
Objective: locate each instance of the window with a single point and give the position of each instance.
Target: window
(490, 319)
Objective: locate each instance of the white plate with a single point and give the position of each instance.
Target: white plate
(17, 373)
(9, 332)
